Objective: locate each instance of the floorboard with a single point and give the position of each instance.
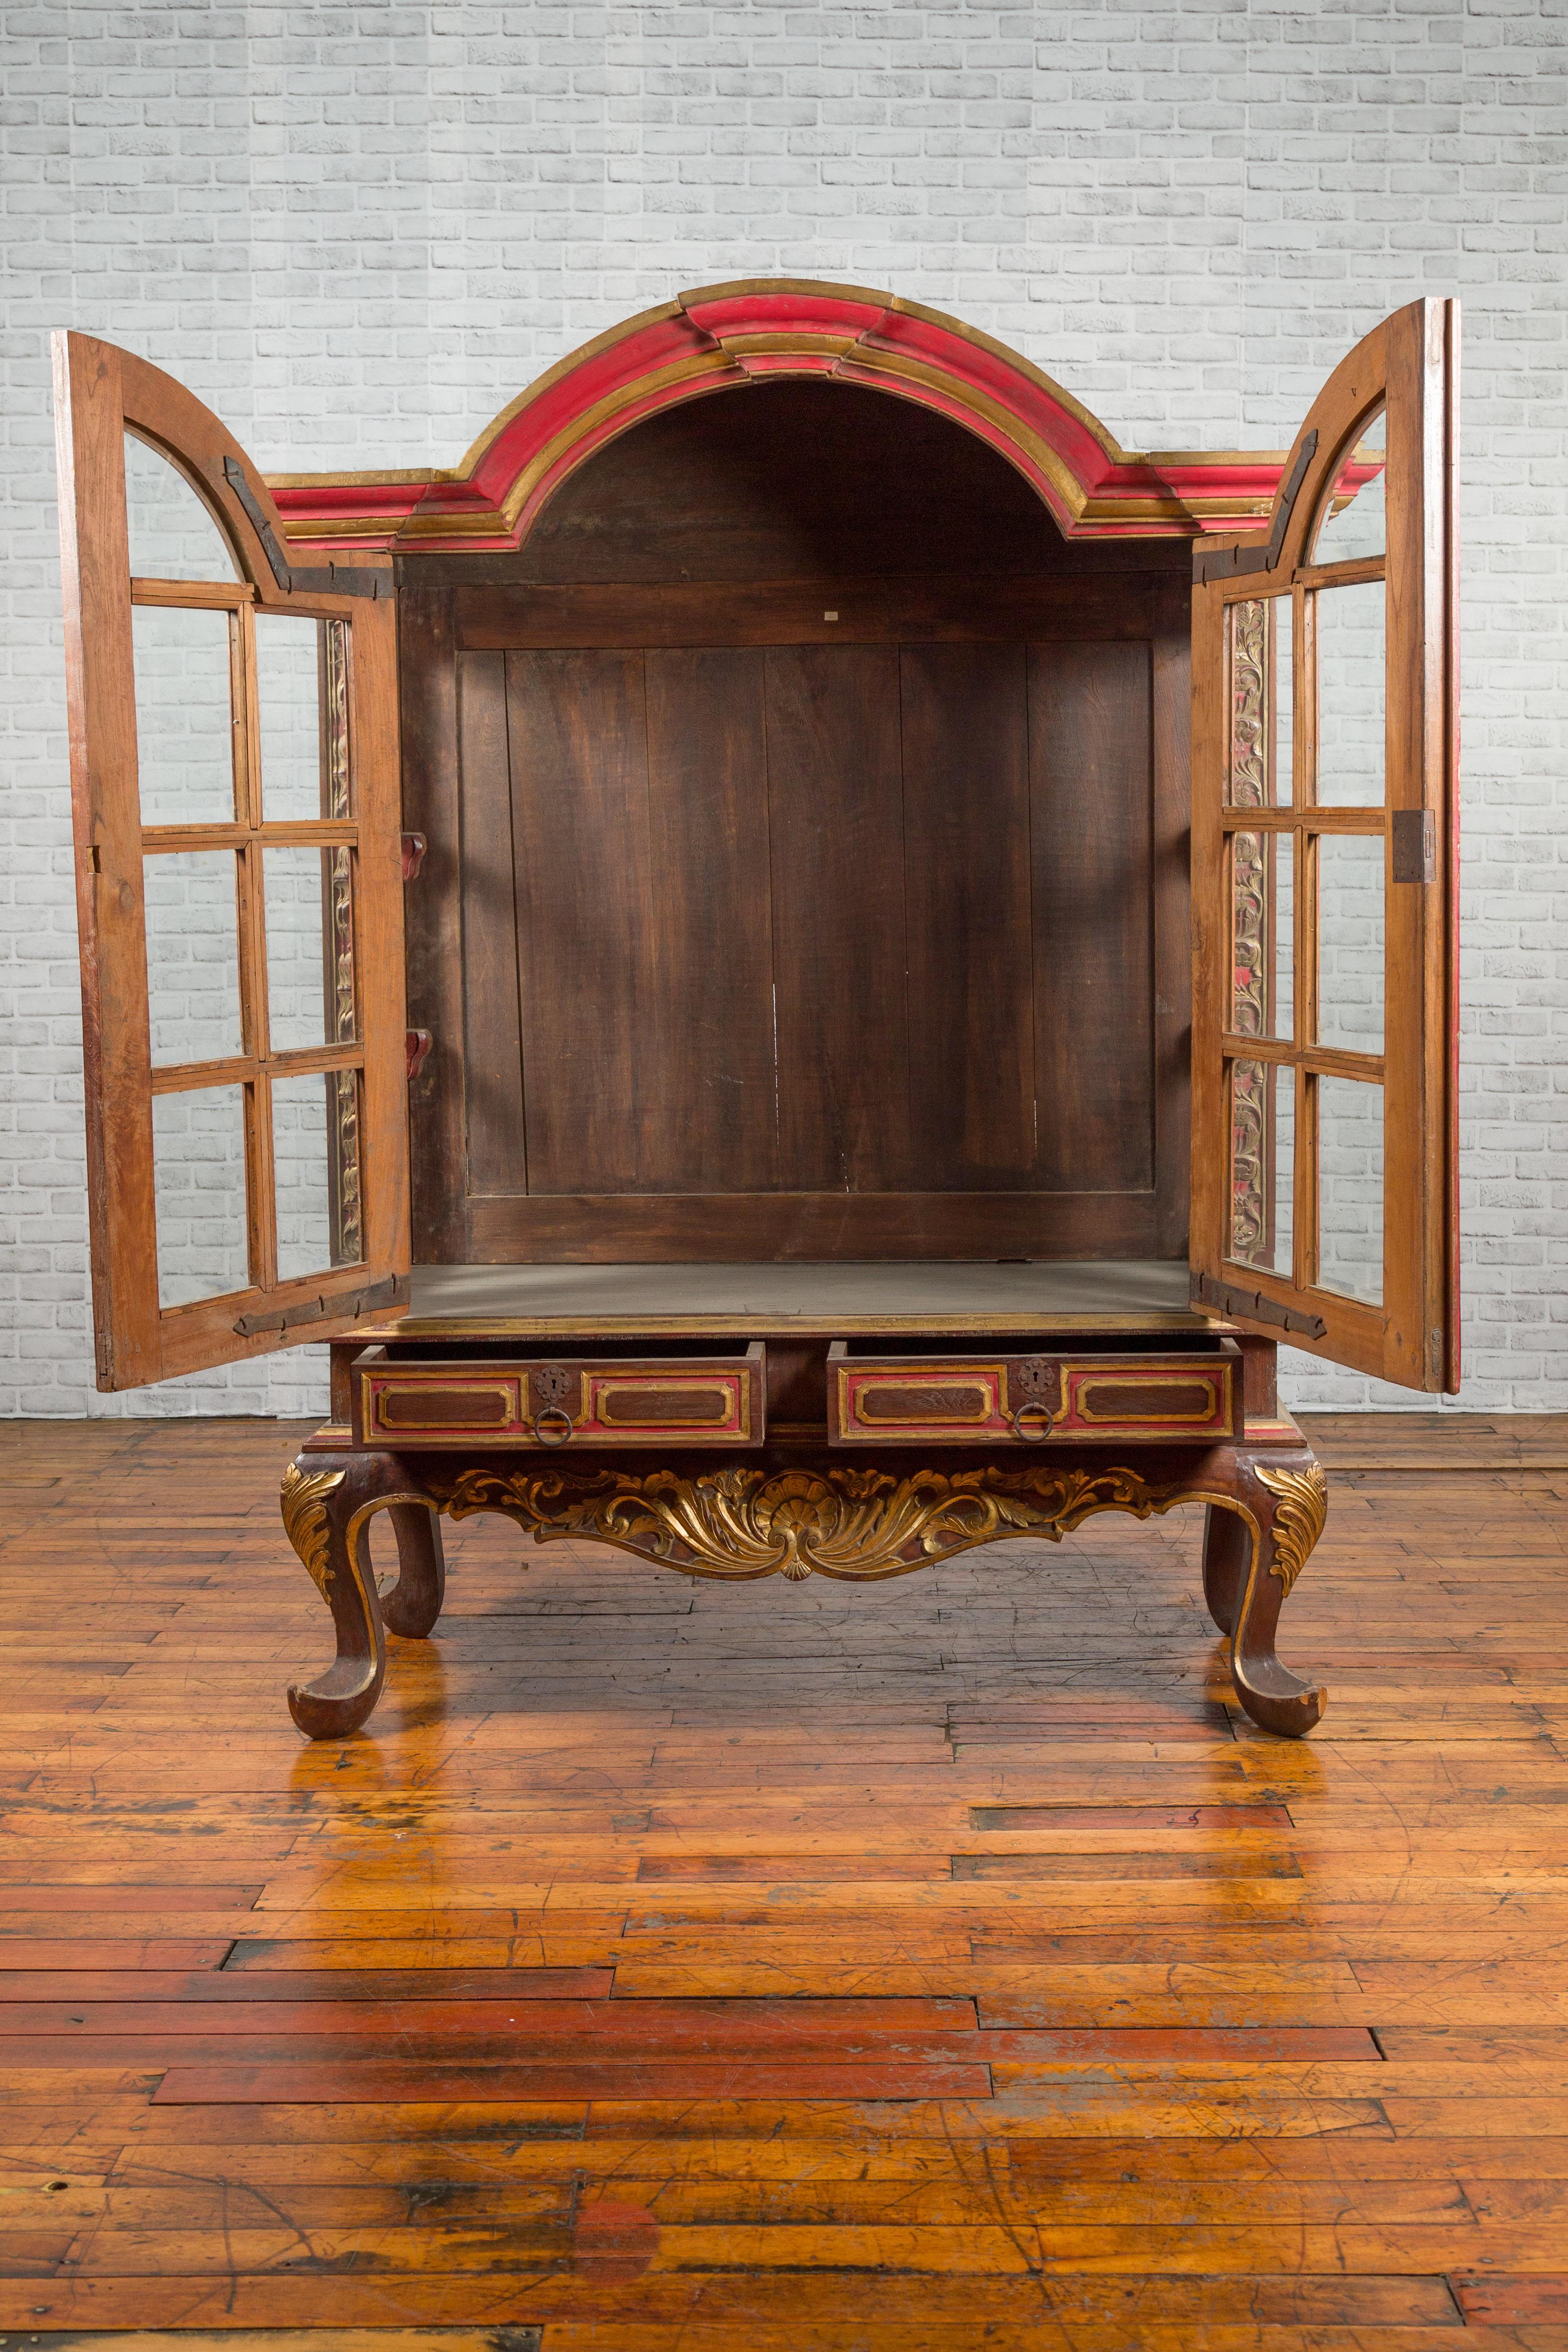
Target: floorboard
(672, 1966)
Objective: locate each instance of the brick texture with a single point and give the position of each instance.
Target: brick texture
(358, 232)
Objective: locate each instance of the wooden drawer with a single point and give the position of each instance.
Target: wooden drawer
(557, 1402)
(964, 1400)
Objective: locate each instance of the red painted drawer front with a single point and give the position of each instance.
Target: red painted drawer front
(1028, 1399)
(1145, 1397)
(562, 1402)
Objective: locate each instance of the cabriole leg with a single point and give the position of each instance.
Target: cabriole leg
(327, 1502)
(1227, 1543)
(410, 1606)
(1289, 1503)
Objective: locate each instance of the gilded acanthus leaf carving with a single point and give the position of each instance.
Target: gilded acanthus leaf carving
(847, 1523)
(1303, 1505)
(303, 1503)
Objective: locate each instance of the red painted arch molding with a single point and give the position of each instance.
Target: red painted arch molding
(722, 337)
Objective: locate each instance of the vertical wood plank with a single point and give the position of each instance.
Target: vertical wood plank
(1090, 730)
(492, 1037)
(380, 945)
(1172, 879)
(710, 1123)
(966, 869)
(428, 701)
(582, 843)
(255, 978)
(836, 827)
(101, 704)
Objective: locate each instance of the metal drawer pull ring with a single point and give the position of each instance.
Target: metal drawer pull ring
(554, 1412)
(1048, 1422)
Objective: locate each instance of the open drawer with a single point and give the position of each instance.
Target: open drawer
(1037, 1399)
(560, 1400)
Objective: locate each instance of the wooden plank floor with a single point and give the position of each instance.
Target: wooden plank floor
(938, 1965)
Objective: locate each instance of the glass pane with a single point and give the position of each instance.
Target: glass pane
(1350, 942)
(1261, 703)
(1350, 1188)
(301, 679)
(310, 987)
(198, 1177)
(1354, 517)
(1262, 937)
(1262, 1165)
(1351, 690)
(184, 731)
(173, 536)
(193, 955)
(315, 1155)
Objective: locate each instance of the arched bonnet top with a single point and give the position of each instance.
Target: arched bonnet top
(719, 338)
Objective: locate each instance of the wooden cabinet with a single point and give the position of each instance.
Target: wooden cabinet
(909, 840)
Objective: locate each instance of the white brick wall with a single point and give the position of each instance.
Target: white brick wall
(357, 231)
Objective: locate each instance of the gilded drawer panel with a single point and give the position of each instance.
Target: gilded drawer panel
(1149, 1400)
(560, 1401)
(400, 1405)
(938, 1401)
(1030, 1400)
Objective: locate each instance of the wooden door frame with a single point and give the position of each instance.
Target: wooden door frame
(1408, 365)
(101, 393)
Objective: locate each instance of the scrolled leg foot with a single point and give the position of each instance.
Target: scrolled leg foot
(328, 1501)
(1287, 1501)
(410, 1606)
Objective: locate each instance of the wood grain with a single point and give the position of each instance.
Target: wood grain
(1091, 843)
(753, 1965)
(491, 1032)
(584, 856)
(837, 834)
(965, 758)
(709, 1122)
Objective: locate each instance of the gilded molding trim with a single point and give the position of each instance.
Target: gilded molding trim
(716, 338)
(1303, 1505)
(303, 1503)
(842, 1522)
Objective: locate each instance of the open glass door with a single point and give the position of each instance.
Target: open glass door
(236, 795)
(1324, 888)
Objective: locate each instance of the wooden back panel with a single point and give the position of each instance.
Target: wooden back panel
(835, 916)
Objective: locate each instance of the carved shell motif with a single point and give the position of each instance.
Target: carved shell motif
(845, 1523)
(1303, 1505)
(303, 1503)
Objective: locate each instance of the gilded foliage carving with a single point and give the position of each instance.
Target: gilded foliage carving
(1302, 1507)
(303, 1503)
(843, 1523)
(342, 1086)
(1251, 931)
(1249, 785)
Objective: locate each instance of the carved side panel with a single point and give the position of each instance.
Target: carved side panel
(1249, 768)
(342, 1086)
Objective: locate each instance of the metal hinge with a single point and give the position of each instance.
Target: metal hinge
(344, 1308)
(1415, 846)
(1256, 1305)
(1225, 563)
(329, 580)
